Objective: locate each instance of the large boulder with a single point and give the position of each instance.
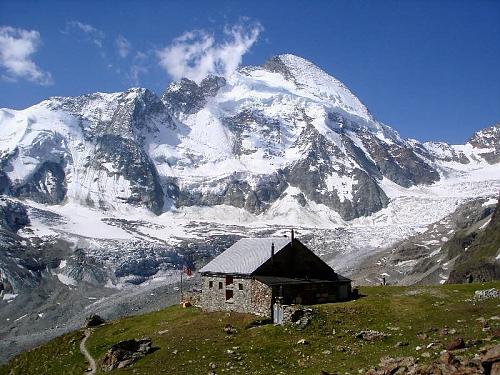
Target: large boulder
(125, 353)
(94, 320)
(491, 360)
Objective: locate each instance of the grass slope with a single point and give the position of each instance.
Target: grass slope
(189, 339)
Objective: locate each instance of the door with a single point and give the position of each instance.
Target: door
(278, 313)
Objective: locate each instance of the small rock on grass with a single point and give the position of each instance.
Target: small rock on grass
(455, 344)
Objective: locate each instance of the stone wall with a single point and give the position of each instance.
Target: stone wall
(193, 297)
(262, 296)
(254, 297)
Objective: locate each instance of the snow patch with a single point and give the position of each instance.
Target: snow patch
(66, 280)
(9, 296)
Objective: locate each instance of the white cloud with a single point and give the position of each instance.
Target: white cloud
(123, 46)
(96, 36)
(16, 49)
(195, 54)
(138, 67)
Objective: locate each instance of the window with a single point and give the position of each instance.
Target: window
(240, 286)
(220, 285)
(210, 284)
(229, 280)
(229, 294)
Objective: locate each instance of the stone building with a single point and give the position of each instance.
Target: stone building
(254, 273)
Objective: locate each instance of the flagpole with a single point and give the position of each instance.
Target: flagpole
(181, 287)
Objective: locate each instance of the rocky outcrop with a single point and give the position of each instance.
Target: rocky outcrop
(125, 353)
(188, 97)
(488, 140)
(490, 359)
(20, 268)
(235, 191)
(47, 185)
(448, 364)
(399, 163)
(94, 320)
(13, 215)
(276, 65)
(120, 157)
(324, 176)
(476, 250)
(82, 267)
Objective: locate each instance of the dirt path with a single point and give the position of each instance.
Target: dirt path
(83, 349)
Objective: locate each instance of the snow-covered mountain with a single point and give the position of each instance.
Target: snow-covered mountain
(270, 139)
(106, 191)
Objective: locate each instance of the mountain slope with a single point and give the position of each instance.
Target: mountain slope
(90, 149)
(477, 250)
(190, 341)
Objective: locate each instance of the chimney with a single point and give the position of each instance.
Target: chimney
(272, 253)
(293, 235)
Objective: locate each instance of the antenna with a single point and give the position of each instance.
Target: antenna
(272, 253)
(293, 235)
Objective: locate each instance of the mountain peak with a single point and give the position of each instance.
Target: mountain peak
(312, 79)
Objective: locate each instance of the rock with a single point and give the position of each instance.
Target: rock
(447, 358)
(491, 360)
(443, 332)
(484, 323)
(185, 304)
(302, 342)
(371, 335)
(229, 329)
(496, 333)
(401, 343)
(455, 344)
(471, 343)
(422, 336)
(447, 365)
(480, 295)
(326, 352)
(94, 320)
(212, 365)
(396, 365)
(125, 353)
(298, 315)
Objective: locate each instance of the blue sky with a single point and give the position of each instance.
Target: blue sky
(429, 69)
